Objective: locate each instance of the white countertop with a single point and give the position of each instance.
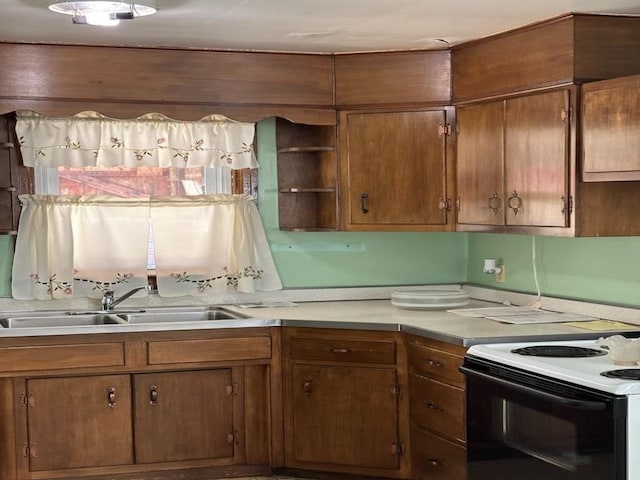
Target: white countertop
(436, 324)
(373, 311)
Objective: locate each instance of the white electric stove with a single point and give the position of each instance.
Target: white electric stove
(534, 414)
(585, 371)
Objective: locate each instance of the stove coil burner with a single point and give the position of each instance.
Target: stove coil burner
(623, 374)
(558, 351)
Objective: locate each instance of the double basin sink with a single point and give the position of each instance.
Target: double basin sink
(156, 315)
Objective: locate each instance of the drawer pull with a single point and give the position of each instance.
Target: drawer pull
(111, 397)
(153, 395)
(435, 462)
(340, 350)
(432, 406)
(435, 363)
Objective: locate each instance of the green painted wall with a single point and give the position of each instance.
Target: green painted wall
(605, 270)
(601, 269)
(324, 259)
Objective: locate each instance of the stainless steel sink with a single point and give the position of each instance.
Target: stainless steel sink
(177, 315)
(65, 320)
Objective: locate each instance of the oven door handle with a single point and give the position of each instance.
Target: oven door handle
(569, 402)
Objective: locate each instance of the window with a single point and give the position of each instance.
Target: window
(106, 187)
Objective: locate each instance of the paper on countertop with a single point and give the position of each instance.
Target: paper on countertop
(604, 325)
(267, 305)
(521, 315)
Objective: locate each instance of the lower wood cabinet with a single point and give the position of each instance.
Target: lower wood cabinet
(343, 407)
(78, 422)
(437, 404)
(183, 416)
(139, 409)
(110, 420)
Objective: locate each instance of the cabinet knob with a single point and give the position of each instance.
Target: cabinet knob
(153, 395)
(364, 202)
(111, 397)
(434, 462)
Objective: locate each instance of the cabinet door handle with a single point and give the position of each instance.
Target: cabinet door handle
(307, 387)
(364, 207)
(492, 203)
(515, 202)
(153, 395)
(111, 397)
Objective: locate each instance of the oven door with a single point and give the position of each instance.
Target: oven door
(524, 427)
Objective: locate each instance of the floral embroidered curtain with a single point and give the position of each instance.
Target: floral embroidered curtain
(92, 139)
(80, 246)
(210, 244)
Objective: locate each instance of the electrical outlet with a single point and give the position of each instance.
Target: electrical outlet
(501, 277)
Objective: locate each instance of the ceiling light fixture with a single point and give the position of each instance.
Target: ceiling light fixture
(102, 13)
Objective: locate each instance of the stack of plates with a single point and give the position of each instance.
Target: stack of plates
(429, 298)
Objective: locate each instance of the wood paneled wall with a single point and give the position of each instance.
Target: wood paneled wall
(561, 51)
(139, 79)
(396, 78)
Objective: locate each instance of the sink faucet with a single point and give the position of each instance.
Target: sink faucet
(109, 302)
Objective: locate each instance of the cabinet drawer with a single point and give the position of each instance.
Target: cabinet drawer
(435, 458)
(437, 406)
(436, 363)
(209, 350)
(51, 357)
(339, 350)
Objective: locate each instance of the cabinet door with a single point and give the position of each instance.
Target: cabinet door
(480, 164)
(79, 422)
(345, 416)
(183, 416)
(396, 168)
(611, 122)
(537, 159)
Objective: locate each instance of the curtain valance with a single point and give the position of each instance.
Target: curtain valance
(91, 139)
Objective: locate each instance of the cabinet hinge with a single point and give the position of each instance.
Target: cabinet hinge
(444, 130)
(566, 115)
(397, 448)
(396, 391)
(444, 205)
(27, 400)
(232, 388)
(29, 450)
(567, 203)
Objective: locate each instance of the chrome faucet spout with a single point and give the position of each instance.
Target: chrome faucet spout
(109, 301)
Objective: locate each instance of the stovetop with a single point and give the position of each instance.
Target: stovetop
(586, 371)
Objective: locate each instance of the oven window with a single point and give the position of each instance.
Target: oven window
(514, 434)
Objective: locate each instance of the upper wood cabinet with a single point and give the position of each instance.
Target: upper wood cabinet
(570, 49)
(396, 169)
(514, 162)
(611, 130)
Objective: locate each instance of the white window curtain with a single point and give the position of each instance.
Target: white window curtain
(70, 246)
(92, 139)
(210, 244)
(79, 246)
